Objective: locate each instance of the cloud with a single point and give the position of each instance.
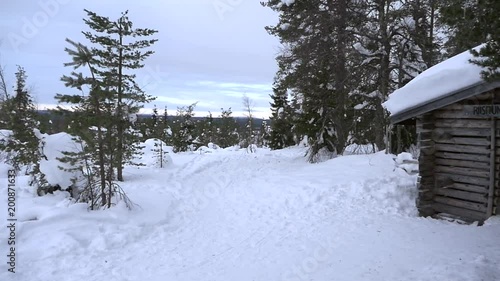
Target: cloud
(200, 56)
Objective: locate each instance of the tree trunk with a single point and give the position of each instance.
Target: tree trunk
(384, 75)
(341, 74)
(100, 144)
(120, 127)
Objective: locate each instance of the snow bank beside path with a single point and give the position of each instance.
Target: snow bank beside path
(269, 215)
(151, 154)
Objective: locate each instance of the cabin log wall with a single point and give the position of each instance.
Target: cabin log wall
(425, 127)
(455, 160)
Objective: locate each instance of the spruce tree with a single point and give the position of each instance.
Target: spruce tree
(159, 132)
(317, 39)
(264, 134)
(206, 130)
(227, 129)
(183, 128)
(489, 53)
(466, 23)
(281, 134)
(24, 144)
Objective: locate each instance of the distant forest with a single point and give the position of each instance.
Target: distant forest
(53, 122)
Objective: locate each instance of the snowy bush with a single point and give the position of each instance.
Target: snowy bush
(252, 148)
(356, 149)
(210, 148)
(406, 162)
(155, 153)
(323, 155)
(56, 172)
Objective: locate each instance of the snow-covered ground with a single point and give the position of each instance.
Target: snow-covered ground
(229, 215)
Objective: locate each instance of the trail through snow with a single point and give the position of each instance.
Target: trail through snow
(265, 216)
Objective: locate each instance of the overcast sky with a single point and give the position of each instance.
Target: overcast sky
(209, 51)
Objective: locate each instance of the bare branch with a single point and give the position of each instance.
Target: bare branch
(248, 107)
(4, 94)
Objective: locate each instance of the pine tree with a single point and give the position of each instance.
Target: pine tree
(100, 119)
(91, 122)
(120, 48)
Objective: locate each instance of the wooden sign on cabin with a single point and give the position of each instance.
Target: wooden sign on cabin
(492, 110)
(457, 117)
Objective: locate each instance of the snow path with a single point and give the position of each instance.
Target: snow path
(267, 216)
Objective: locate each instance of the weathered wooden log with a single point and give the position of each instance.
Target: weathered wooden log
(462, 163)
(468, 187)
(425, 195)
(464, 179)
(468, 149)
(479, 207)
(463, 156)
(467, 132)
(455, 114)
(462, 123)
(458, 194)
(467, 215)
(479, 141)
(426, 210)
(427, 151)
(493, 153)
(463, 171)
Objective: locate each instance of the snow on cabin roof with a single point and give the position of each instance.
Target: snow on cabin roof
(445, 78)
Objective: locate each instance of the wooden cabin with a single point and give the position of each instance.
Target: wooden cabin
(458, 135)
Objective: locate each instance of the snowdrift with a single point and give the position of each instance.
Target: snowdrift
(270, 215)
(54, 170)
